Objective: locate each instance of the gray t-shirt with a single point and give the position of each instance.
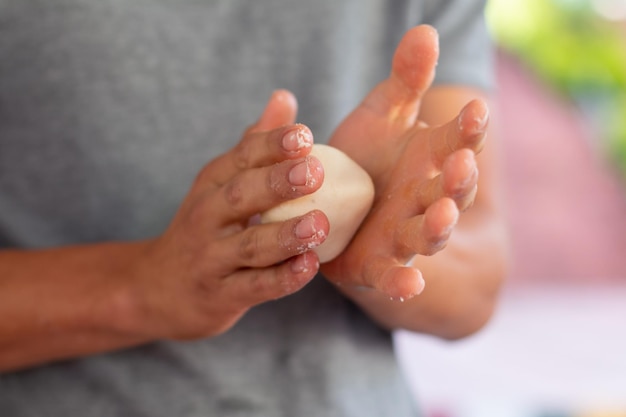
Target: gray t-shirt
(108, 109)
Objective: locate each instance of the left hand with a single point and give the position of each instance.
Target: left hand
(424, 176)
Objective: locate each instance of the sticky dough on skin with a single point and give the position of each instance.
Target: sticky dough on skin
(345, 197)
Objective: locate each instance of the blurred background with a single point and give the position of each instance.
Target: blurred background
(556, 347)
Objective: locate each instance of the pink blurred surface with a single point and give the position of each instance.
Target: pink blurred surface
(567, 209)
(557, 341)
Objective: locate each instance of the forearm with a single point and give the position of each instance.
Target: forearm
(66, 302)
(195, 280)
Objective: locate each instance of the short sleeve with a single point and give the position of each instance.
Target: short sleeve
(466, 50)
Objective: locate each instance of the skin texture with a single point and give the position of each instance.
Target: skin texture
(421, 154)
(211, 265)
(195, 280)
(345, 197)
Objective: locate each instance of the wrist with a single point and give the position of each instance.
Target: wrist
(125, 308)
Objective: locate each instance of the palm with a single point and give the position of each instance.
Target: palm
(411, 213)
(396, 157)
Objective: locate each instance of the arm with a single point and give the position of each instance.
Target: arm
(462, 280)
(195, 280)
(66, 302)
(425, 172)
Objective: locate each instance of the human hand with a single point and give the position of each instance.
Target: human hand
(212, 264)
(424, 175)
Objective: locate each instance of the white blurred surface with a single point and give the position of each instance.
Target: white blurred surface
(545, 350)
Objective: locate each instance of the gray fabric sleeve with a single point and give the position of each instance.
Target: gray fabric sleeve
(466, 50)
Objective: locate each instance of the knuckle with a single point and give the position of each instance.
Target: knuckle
(250, 245)
(233, 193)
(241, 155)
(205, 287)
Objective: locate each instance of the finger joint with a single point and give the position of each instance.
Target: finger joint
(250, 246)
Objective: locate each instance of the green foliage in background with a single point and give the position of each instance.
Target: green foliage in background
(574, 50)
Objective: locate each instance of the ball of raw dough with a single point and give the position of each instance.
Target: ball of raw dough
(345, 197)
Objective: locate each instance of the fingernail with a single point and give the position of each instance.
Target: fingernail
(300, 265)
(464, 185)
(460, 119)
(306, 228)
(297, 139)
(441, 241)
(481, 122)
(476, 119)
(446, 232)
(300, 174)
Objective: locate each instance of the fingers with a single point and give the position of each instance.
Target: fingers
(249, 287)
(412, 72)
(427, 234)
(280, 110)
(458, 180)
(256, 190)
(467, 130)
(397, 281)
(258, 149)
(268, 244)
(413, 65)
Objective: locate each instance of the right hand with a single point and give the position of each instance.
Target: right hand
(211, 265)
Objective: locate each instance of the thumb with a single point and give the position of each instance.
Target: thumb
(412, 72)
(281, 109)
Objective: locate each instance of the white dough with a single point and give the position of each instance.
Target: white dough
(345, 197)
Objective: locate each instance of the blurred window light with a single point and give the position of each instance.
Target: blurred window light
(572, 4)
(514, 22)
(578, 48)
(610, 9)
